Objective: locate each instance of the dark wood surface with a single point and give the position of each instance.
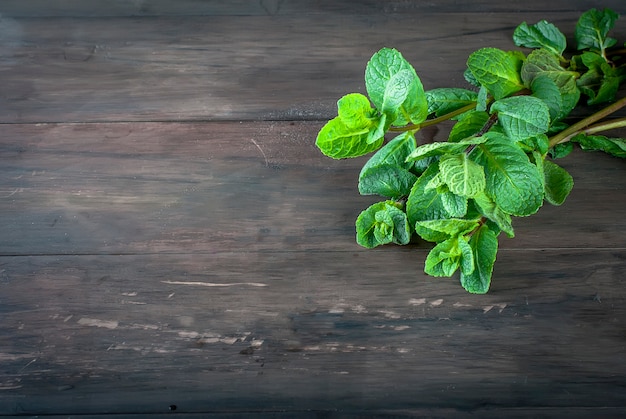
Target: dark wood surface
(172, 242)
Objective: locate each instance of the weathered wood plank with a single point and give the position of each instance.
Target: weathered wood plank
(215, 187)
(159, 68)
(308, 330)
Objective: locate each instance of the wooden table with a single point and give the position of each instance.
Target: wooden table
(172, 242)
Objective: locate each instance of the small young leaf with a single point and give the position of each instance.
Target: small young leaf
(440, 230)
(558, 183)
(484, 245)
(540, 35)
(445, 100)
(613, 146)
(339, 141)
(444, 258)
(389, 78)
(386, 180)
(355, 111)
(522, 116)
(463, 176)
(382, 223)
(513, 182)
(592, 29)
(497, 71)
(467, 258)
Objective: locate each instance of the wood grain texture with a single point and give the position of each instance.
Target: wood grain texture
(173, 244)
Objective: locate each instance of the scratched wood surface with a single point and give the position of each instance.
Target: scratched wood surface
(173, 244)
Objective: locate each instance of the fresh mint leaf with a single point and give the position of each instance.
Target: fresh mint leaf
(425, 203)
(561, 150)
(601, 81)
(386, 180)
(382, 223)
(355, 111)
(455, 205)
(613, 146)
(592, 29)
(394, 87)
(338, 141)
(497, 71)
(440, 230)
(522, 116)
(468, 125)
(540, 35)
(444, 259)
(512, 181)
(462, 176)
(493, 212)
(484, 246)
(557, 181)
(393, 153)
(440, 148)
(445, 100)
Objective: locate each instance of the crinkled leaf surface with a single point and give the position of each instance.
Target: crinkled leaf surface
(440, 230)
(613, 146)
(522, 116)
(463, 176)
(441, 148)
(425, 203)
(484, 245)
(386, 180)
(593, 27)
(339, 141)
(448, 99)
(512, 181)
(497, 71)
(393, 153)
(542, 34)
(355, 111)
(382, 223)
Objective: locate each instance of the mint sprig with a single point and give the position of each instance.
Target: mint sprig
(497, 162)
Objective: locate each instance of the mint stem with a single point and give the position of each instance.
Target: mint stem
(565, 135)
(605, 126)
(434, 121)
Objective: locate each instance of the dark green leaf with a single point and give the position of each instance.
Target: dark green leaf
(454, 204)
(540, 35)
(558, 183)
(613, 146)
(425, 203)
(445, 100)
(561, 150)
(497, 71)
(468, 125)
(489, 209)
(386, 180)
(484, 245)
(592, 29)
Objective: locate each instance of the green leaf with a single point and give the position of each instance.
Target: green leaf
(393, 153)
(339, 141)
(394, 87)
(444, 258)
(497, 71)
(463, 176)
(522, 116)
(425, 203)
(592, 29)
(386, 180)
(558, 183)
(493, 212)
(382, 223)
(561, 150)
(467, 258)
(468, 125)
(355, 111)
(613, 146)
(440, 230)
(445, 100)
(512, 181)
(441, 148)
(454, 204)
(601, 81)
(540, 35)
(484, 245)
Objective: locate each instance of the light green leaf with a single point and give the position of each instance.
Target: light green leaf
(394, 87)
(490, 210)
(355, 111)
(382, 223)
(540, 35)
(613, 146)
(512, 181)
(484, 245)
(454, 204)
(339, 141)
(440, 230)
(444, 258)
(423, 203)
(497, 71)
(592, 29)
(522, 116)
(445, 100)
(467, 257)
(463, 176)
(558, 183)
(441, 148)
(386, 180)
